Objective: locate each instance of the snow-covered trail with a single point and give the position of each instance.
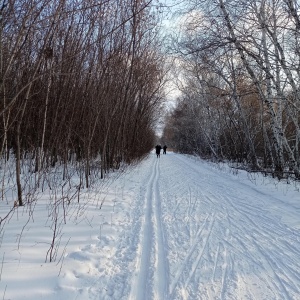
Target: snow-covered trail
(195, 232)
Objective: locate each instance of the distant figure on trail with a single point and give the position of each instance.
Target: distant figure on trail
(157, 149)
(165, 149)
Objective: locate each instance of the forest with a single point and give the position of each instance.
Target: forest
(239, 76)
(81, 85)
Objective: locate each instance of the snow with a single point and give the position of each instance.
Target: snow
(175, 227)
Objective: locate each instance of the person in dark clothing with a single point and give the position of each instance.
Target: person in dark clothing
(157, 149)
(165, 149)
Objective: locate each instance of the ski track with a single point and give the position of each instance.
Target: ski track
(151, 272)
(282, 277)
(193, 234)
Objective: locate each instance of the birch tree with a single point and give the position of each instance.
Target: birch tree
(252, 44)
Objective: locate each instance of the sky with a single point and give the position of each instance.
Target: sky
(169, 27)
(170, 228)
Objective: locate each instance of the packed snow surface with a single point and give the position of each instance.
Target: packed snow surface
(173, 227)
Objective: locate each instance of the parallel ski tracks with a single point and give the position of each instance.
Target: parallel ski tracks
(193, 236)
(151, 277)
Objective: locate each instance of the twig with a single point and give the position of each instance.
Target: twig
(62, 257)
(2, 266)
(4, 292)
